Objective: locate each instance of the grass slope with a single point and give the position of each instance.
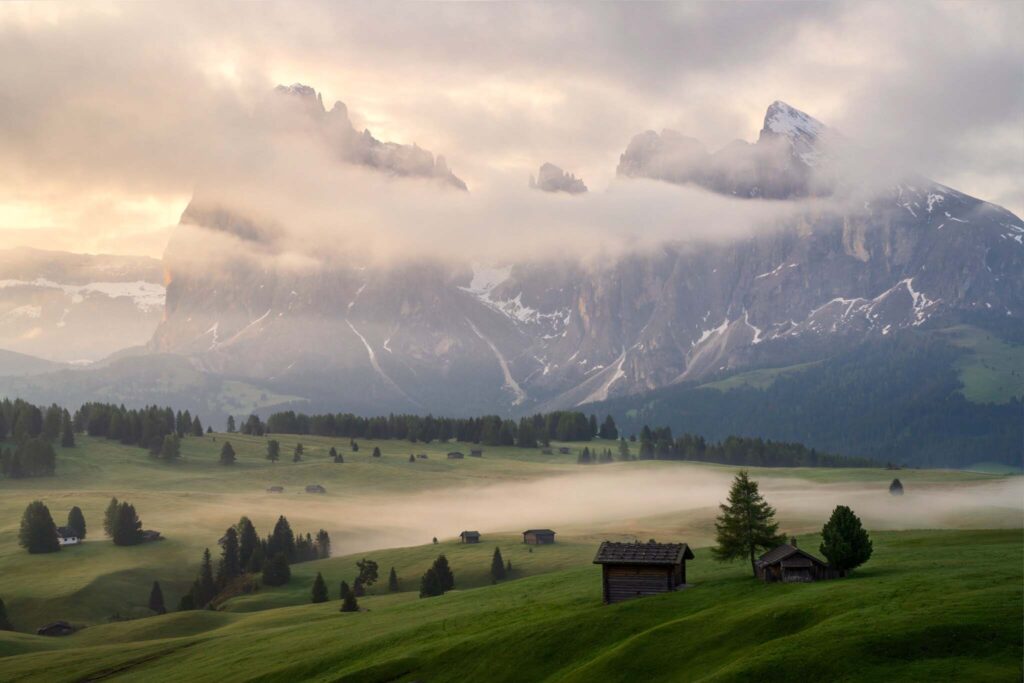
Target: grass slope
(994, 370)
(929, 603)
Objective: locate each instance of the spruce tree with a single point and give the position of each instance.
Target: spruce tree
(128, 526)
(358, 589)
(323, 545)
(5, 623)
(197, 427)
(896, 487)
(376, 451)
(348, 599)
(110, 518)
(844, 542)
(38, 533)
(248, 540)
(297, 455)
(276, 571)
(497, 565)
(67, 438)
(230, 566)
(282, 540)
(444, 573)
(227, 454)
(170, 450)
(746, 524)
(273, 450)
(393, 581)
(412, 458)
(333, 454)
(76, 521)
(319, 589)
(255, 563)
(206, 583)
(231, 424)
(156, 599)
(430, 584)
(367, 572)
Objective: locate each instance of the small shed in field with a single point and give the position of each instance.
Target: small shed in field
(151, 535)
(476, 453)
(633, 570)
(315, 488)
(421, 456)
(470, 536)
(455, 455)
(788, 563)
(275, 489)
(538, 536)
(57, 628)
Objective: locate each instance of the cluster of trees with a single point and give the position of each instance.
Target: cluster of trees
(33, 430)
(747, 526)
(437, 580)
(38, 531)
(245, 554)
(489, 430)
(122, 524)
(160, 430)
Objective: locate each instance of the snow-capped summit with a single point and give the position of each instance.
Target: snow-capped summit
(802, 130)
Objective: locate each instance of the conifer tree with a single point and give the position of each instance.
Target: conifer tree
(323, 545)
(497, 565)
(110, 518)
(276, 571)
(348, 599)
(333, 454)
(248, 540)
(844, 542)
(393, 581)
(367, 572)
(197, 427)
(170, 450)
(319, 589)
(412, 458)
(127, 526)
(227, 454)
(206, 584)
(508, 568)
(444, 573)
(430, 584)
(282, 540)
(746, 524)
(76, 520)
(156, 599)
(297, 454)
(358, 589)
(38, 533)
(230, 566)
(376, 451)
(896, 487)
(255, 563)
(231, 424)
(273, 450)
(187, 602)
(67, 438)
(5, 623)
(355, 446)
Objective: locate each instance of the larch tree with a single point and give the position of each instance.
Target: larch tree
(746, 524)
(227, 454)
(444, 573)
(76, 520)
(844, 542)
(319, 593)
(230, 566)
(497, 565)
(348, 599)
(5, 622)
(273, 450)
(110, 518)
(156, 599)
(38, 533)
(393, 585)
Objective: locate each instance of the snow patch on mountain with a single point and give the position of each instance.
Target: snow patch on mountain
(147, 296)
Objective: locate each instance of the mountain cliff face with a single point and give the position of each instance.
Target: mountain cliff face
(517, 337)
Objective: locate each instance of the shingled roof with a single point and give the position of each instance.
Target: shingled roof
(783, 552)
(642, 553)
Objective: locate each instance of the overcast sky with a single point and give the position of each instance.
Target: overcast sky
(110, 115)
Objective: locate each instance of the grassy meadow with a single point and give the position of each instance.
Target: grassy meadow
(929, 599)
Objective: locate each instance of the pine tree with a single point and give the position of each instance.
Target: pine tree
(508, 568)
(276, 571)
(255, 563)
(896, 487)
(412, 458)
(156, 599)
(38, 533)
(319, 589)
(297, 454)
(367, 572)
(430, 584)
(348, 599)
(128, 526)
(376, 451)
(110, 518)
(844, 542)
(497, 565)
(358, 589)
(248, 540)
(227, 454)
(273, 450)
(206, 584)
(67, 438)
(231, 424)
(230, 566)
(76, 520)
(333, 454)
(608, 429)
(355, 446)
(746, 524)
(170, 450)
(5, 623)
(393, 581)
(444, 573)
(282, 540)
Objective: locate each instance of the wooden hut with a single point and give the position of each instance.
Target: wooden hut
(788, 563)
(275, 489)
(470, 536)
(476, 453)
(633, 570)
(57, 628)
(315, 488)
(564, 450)
(455, 455)
(538, 536)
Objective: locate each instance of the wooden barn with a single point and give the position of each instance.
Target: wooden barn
(315, 488)
(538, 536)
(633, 570)
(455, 455)
(790, 564)
(470, 536)
(275, 489)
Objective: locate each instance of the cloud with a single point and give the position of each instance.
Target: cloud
(142, 103)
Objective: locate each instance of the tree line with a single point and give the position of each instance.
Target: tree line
(33, 430)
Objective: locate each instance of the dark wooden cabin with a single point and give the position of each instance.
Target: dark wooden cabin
(633, 570)
(470, 536)
(564, 450)
(315, 488)
(476, 453)
(275, 489)
(57, 628)
(538, 536)
(455, 455)
(788, 563)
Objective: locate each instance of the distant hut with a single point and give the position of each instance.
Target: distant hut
(896, 487)
(275, 489)
(315, 488)
(538, 536)
(455, 455)
(633, 570)
(150, 535)
(421, 456)
(57, 628)
(564, 450)
(67, 536)
(470, 536)
(789, 564)
(476, 453)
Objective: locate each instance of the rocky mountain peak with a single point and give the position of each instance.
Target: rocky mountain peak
(802, 130)
(551, 178)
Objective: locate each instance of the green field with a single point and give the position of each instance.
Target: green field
(928, 600)
(994, 370)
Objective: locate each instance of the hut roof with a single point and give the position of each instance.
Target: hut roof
(66, 532)
(786, 552)
(538, 531)
(470, 533)
(642, 553)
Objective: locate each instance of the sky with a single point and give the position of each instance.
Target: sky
(113, 114)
